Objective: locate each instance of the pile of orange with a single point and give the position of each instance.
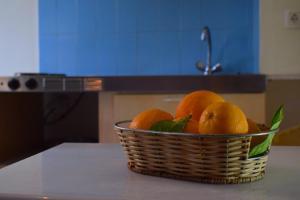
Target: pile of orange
(210, 114)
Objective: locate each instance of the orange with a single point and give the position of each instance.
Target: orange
(252, 126)
(191, 127)
(223, 117)
(194, 103)
(146, 119)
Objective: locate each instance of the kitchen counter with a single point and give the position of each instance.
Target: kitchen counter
(99, 171)
(283, 77)
(221, 83)
(241, 83)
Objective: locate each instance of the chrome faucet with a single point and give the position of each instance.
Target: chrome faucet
(207, 68)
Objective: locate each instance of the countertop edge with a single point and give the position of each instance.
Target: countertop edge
(178, 84)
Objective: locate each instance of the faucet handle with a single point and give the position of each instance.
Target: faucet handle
(216, 68)
(200, 65)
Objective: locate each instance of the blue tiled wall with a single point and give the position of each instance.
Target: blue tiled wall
(146, 37)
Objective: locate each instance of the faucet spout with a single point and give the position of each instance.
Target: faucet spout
(205, 36)
(208, 68)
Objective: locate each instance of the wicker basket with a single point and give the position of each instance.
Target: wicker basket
(195, 157)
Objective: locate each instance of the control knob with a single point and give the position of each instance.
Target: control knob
(14, 84)
(31, 84)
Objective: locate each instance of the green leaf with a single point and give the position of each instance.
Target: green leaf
(171, 126)
(262, 147)
(265, 145)
(277, 118)
(165, 125)
(180, 124)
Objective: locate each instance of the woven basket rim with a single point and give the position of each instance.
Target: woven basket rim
(118, 126)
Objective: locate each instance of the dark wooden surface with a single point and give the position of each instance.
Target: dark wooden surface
(248, 83)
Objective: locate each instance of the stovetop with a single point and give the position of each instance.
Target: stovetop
(44, 82)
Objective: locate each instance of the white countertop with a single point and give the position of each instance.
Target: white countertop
(99, 171)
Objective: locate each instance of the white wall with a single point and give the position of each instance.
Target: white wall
(18, 36)
(279, 46)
